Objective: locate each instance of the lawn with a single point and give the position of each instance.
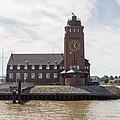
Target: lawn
(48, 86)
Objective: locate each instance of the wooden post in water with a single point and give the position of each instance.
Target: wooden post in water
(19, 92)
(14, 96)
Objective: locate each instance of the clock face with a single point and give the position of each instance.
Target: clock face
(74, 45)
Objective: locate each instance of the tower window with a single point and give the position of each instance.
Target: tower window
(74, 61)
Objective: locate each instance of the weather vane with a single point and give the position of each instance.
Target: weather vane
(73, 14)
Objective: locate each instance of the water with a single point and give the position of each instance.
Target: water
(61, 110)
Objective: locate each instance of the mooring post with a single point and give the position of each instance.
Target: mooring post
(19, 92)
(14, 96)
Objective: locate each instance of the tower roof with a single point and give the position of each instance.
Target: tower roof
(74, 21)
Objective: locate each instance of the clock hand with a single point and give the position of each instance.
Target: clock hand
(74, 45)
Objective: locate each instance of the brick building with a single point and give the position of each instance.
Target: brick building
(70, 68)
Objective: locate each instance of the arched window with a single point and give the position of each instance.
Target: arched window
(74, 61)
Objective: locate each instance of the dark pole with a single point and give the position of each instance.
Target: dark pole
(14, 95)
(19, 92)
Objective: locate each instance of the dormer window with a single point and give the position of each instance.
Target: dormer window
(25, 67)
(48, 67)
(11, 67)
(18, 67)
(40, 67)
(33, 67)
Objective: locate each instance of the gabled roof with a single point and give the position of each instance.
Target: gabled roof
(35, 59)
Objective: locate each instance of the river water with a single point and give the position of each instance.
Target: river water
(61, 110)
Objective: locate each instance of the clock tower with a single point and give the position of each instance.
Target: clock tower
(74, 61)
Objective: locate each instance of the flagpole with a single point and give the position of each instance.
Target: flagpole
(2, 62)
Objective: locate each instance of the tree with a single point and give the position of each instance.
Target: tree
(105, 78)
(115, 77)
(111, 78)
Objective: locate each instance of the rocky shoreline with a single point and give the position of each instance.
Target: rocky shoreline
(91, 90)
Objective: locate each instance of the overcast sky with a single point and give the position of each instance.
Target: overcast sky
(37, 26)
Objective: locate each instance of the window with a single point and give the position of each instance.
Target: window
(87, 67)
(25, 67)
(78, 67)
(69, 30)
(10, 75)
(71, 67)
(33, 67)
(32, 75)
(78, 30)
(74, 66)
(61, 67)
(47, 67)
(40, 67)
(55, 75)
(18, 67)
(74, 30)
(47, 75)
(55, 67)
(40, 75)
(11, 67)
(25, 76)
(74, 61)
(17, 76)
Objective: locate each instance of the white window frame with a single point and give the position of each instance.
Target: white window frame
(18, 76)
(10, 75)
(55, 67)
(18, 67)
(74, 30)
(25, 76)
(78, 30)
(40, 67)
(47, 75)
(47, 67)
(40, 75)
(61, 67)
(32, 75)
(71, 67)
(55, 75)
(78, 67)
(11, 67)
(33, 67)
(25, 67)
